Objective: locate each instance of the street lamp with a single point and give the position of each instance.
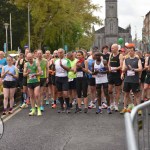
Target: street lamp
(6, 28)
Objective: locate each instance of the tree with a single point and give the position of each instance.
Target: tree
(59, 22)
(18, 23)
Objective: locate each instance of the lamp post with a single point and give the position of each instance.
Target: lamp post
(6, 28)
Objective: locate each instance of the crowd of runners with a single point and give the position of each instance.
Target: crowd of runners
(77, 81)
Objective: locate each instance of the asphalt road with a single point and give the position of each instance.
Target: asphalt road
(54, 131)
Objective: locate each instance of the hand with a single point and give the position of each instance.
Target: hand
(95, 72)
(79, 65)
(122, 76)
(10, 73)
(60, 62)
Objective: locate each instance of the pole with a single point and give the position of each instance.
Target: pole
(6, 41)
(29, 25)
(10, 33)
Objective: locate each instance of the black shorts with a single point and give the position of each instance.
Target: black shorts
(91, 82)
(127, 87)
(147, 79)
(53, 80)
(24, 81)
(20, 83)
(33, 85)
(114, 80)
(104, 85)
(72, 84)
(9, 84)
(62, 83)
(49, 80)
(42, 82)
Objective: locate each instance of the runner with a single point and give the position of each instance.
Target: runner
(49, 84)
(100, 69)
(9, 75)
(52, 74)
(20, 64)
(62, 66)
(3, 62)
(91, 81)
(132, 66)
(32, 71)
(114, 77)
(81, 81)
(44, 76)
(72, 78)
(147, 78)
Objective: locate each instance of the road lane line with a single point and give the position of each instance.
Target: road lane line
(10, 116)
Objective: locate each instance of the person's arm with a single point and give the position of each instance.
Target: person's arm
(47, 69)
(25, 71)
(121, 62)
(86, 66)
(67, 68)
(109, 68)
(147, 67)
(3, 73)
(39, 69)
(139, 69)
(16, 71)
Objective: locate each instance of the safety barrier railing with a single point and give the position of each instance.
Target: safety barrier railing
(138, 127)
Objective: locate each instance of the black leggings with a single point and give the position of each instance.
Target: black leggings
(82, 86)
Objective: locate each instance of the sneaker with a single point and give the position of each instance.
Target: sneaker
(82, 103)
(39, 113)
(28, 101)
(104, 106)
(10, 111)
(74, 102)
(109, 110)
(116, 108)
(99, 111)
(85, 110)
(24, 105)
(92, 106)
(42, 108)
(68, 111)
(124, 110)
(78, 110)
(54, 106)
(139, 112)
(33, 112)
(4, 113)
(112, 107)
(47, 102)
(62, 110)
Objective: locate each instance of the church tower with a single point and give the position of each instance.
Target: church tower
(111, 22)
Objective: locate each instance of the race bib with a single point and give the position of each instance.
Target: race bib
(130, 73)
(113, 69)
(32, 76)
(9, 78)
(80, 74)
(70, 80)
(100, 75)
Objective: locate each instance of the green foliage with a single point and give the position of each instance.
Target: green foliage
(56, 23)
(19, 19)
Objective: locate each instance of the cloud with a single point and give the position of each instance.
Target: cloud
(129, 12)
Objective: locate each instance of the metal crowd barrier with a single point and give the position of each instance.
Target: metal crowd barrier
(138, 127)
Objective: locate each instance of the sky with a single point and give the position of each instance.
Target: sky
(129, 12)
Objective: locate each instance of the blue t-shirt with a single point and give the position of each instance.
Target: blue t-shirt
(3, 62)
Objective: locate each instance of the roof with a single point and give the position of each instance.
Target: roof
(120, 30)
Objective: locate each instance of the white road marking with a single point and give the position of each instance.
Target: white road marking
(16, 110)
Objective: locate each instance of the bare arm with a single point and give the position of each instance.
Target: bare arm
(25, 71)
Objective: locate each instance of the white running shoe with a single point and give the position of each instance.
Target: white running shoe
(112, 107)
(104, 106)
(116, 108)
(92, 106)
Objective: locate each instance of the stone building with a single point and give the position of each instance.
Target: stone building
(110, 33)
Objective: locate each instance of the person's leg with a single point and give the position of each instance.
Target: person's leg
(85, 90)
(38, 100)
(117, 89)
(11, 97)
(6, 96)
(105, 89)
(98, 89)
(110, 90)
